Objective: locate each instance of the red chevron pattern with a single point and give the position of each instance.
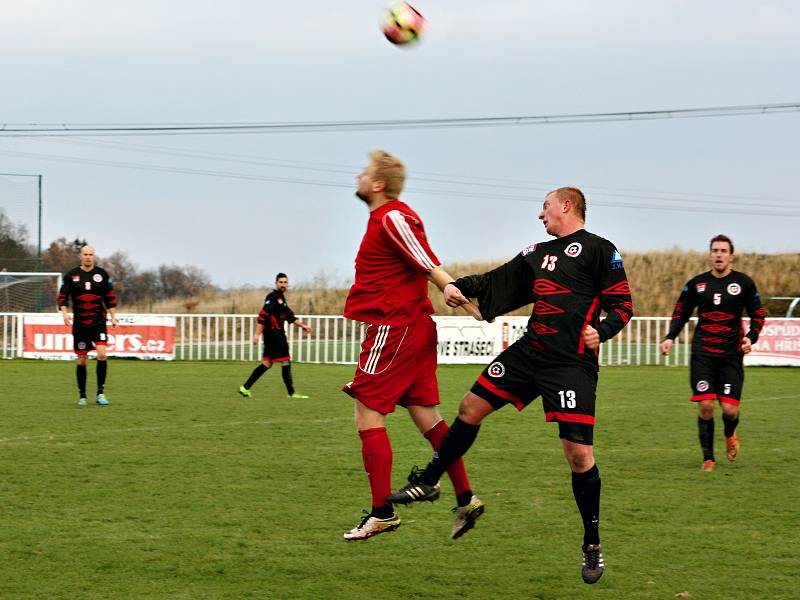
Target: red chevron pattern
(715, 328)
(545, 287)
(622, 288)
(88, 297)
(542, 329)
(543, 308)
(716, 315)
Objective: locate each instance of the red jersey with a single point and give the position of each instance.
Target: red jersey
(391, 287)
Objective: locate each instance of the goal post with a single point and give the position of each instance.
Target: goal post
(27, 291)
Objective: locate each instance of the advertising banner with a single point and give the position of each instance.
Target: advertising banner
(778, 344)
(137, 336)
(463, 340)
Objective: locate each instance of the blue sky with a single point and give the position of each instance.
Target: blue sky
(159, 62)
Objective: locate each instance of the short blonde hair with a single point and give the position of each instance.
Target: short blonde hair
(575, 196)
(390, 170)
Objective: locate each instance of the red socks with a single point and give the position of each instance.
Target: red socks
(376, 451)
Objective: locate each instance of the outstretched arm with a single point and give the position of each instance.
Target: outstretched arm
(441, 279)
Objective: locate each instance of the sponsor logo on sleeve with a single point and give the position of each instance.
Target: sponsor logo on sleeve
(702, 385)
(496, 369)
(700, 287)
(574, 249)
(616, 260)
(734, 289)
(528, 250)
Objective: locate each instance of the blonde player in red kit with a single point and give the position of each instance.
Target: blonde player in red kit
(397, 365)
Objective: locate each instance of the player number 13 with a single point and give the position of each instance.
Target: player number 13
(567, 398)
(549, 262)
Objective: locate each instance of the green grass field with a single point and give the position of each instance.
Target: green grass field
(182, 489)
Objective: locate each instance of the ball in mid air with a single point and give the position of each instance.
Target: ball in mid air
(402, 23)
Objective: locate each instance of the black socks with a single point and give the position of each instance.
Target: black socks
(706, 431)
(257, 372)
(729, 424)
(80, 374)
(586, 489)
(454, 445)
(286, 373)
(102, 369)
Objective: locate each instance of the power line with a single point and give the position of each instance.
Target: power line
(451, 179)
(127, 129)
(693, 206)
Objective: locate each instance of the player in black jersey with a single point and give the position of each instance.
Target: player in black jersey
(718, 346)
(271, 319)
(570, 280)
(91, 292)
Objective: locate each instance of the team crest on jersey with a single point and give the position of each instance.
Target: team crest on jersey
(496, 369)
(574, 249)
(76, 278)
(81, 345)
(616, 260)
(280, 300)
(702, 385)
(700, 287)
(97, 278)
(734, 289)
(528, 250)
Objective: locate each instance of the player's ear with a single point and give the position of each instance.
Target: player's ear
(378, 186)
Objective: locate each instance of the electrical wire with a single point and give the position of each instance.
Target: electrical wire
(127, 129)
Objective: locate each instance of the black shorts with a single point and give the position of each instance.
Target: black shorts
(276, 348)
(84, 339)
(519, 375)
(716, 378)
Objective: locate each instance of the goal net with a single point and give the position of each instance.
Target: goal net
(28, 292)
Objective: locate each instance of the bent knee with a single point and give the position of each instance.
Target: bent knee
(473, 409)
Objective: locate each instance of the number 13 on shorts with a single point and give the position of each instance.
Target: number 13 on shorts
(567, 398)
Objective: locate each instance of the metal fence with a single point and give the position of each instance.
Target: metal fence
(336, 340)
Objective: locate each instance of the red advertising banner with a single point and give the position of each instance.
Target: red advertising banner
(138, 336)
(778, 344)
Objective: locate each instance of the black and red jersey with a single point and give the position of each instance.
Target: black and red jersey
(570, 280)
(275, 312)
(90, 292)
(720, 302)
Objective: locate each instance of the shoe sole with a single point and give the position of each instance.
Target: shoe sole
(373, 534)
(470, 522)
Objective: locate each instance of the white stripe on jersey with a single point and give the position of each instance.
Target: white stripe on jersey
(375, 351)
(409, 240)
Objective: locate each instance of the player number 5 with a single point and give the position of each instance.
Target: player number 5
(567, 398)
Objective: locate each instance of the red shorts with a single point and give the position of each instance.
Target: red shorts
(397, 365)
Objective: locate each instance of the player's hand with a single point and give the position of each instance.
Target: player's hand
(255, 338)
(591, 338)
(113, 321)
(453, 296)
(307, 329)
(67, 320)
(666, 346)
(747, 345)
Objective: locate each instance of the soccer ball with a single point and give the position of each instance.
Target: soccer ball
(402, 23)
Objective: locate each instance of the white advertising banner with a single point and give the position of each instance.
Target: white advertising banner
(136, 336)
(778, 344)
(463, 340)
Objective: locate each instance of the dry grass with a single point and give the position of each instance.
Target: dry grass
(656, 279)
